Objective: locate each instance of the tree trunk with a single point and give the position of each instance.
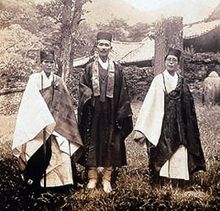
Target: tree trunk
(169, 33)
(70, 18)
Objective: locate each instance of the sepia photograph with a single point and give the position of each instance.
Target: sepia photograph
(109, 105)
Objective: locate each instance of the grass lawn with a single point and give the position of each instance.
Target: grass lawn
(132, 190)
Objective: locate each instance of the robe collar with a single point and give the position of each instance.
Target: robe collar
(110, 81)
(170, 81)
(46, 81)
(104, 65)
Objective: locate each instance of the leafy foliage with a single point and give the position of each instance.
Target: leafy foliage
(50, 25)
(139, 31)
(117, 27)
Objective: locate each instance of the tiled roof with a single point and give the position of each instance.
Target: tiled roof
(200, 28)
(129, 52)
(121, 49)
(125, 52)
(143, 53)
(78, 62)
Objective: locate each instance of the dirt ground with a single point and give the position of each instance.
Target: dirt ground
(7, 125)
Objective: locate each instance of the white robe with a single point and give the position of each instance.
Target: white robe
(149, 122)
(33, 116)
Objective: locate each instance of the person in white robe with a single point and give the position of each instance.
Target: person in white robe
(46, 135)
(167, 122)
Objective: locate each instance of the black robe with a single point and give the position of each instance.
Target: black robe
(179, 128)
(104, 124)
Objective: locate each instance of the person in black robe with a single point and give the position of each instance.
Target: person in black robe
(167, 120)
(104, 114)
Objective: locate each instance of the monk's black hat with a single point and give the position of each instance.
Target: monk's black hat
(104, 36)
(174, 52)
(47, 55)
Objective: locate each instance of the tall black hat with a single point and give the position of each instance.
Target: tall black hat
(174, 52)
(47, 55)
(104, 36)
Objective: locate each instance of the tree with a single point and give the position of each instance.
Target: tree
(19, 12)
(70, 20)
(28, 27)
(18, 24)
(66, 16)
(84, 40)
(117, 27)
(138, 31)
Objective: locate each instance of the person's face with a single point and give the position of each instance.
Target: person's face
(171, 63)
(48, 66)
(103, 48)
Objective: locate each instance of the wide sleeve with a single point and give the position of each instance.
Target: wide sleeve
(124, 102)
(150, 117)
(124, 111)
(85, 93)
(28, 124)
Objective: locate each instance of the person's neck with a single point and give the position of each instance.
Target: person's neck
(47, 74)
(172, 73)
(104, 59)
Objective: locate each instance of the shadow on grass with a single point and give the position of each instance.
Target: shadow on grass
(131, 191)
